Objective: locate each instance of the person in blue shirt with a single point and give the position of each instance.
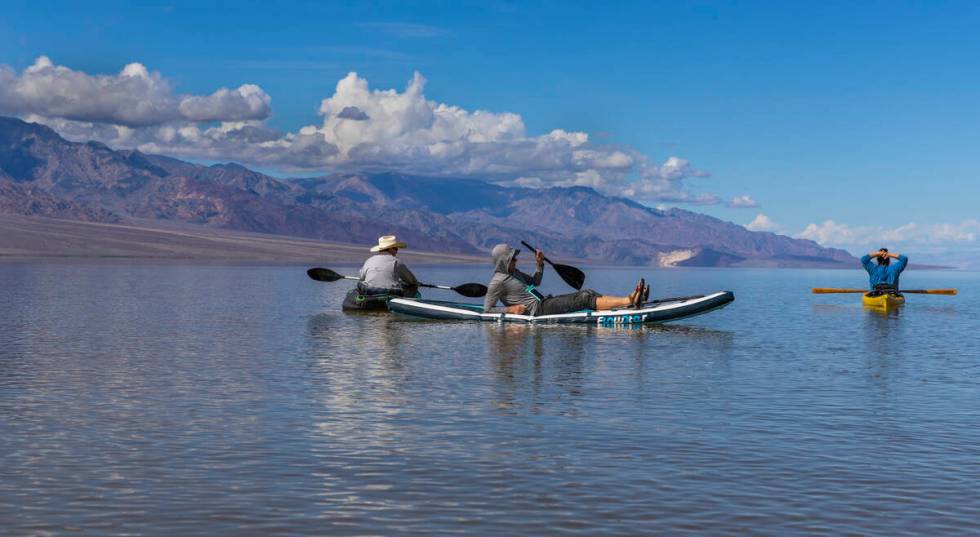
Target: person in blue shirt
(884, 274)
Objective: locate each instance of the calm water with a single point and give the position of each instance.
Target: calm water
(237, 400)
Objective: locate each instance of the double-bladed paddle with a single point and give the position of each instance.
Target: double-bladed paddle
(472, 290)
(827, 290)
(571, 275)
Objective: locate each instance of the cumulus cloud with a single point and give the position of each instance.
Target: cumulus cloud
(830, 233)
(742, 202)
(931, 236)
(666, 182)
(762, 222)
(245, 103)
(362, 129)
(135, 97)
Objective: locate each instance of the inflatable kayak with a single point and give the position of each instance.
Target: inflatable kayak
(885, 301)
(656, 311)
(357, 300)
(354, 300)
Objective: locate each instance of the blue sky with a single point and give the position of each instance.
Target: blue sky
(865, 115)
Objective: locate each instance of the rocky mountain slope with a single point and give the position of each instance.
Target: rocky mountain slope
(44, 174)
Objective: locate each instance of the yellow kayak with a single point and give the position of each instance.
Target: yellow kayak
(883, 301)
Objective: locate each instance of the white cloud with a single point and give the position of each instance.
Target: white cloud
(666, 182)
(246, 102)
(742, 202)
(762, 222)
(929, 237)
(677, 168)
(830, 233)
(362, 129)
(965, 231)
(135, 97)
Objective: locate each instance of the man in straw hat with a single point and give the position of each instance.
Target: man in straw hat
(383, 273)
(518, 291)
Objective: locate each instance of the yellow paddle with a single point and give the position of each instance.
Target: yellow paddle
(825, 290)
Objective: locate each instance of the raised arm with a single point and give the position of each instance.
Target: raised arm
(866, 262)
(903, 261)
(539, 273)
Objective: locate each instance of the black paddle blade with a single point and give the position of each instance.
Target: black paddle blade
(472, 290)
(323, 274)
(571, 275)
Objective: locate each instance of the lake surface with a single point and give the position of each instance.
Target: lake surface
(168, 399)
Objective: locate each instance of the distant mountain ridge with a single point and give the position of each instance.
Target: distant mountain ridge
(43, 174)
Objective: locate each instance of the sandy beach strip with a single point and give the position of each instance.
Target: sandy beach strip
(25, 237)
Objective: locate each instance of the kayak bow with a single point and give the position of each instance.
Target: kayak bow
(884, 301)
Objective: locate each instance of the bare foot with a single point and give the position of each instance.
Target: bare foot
(636, 294)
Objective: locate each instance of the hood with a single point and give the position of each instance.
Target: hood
(502, 254)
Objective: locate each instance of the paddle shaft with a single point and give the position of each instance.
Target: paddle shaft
(828, 290)
(472, 290)
(929, 291)
(533, 249)
(571, 275)
(433, 286)
(427, 285)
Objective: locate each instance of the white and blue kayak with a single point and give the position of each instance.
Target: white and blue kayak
(655, 311)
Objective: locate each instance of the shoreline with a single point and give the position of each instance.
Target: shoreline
(35, 238)
(40, 238)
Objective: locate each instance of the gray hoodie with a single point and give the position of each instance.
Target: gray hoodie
(510, 287)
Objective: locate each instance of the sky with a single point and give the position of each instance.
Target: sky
(853, 124)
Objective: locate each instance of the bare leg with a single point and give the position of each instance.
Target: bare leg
(614, 302)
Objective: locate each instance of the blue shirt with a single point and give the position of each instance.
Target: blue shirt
(884, 273)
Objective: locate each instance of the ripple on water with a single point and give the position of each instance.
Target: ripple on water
(216, 400)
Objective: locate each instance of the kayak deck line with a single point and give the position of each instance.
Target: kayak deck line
(654, 312)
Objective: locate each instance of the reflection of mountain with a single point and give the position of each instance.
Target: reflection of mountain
(43, 174)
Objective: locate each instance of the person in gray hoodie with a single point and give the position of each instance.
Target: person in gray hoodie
(518, 290)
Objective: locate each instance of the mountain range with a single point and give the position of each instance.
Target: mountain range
(42, 174)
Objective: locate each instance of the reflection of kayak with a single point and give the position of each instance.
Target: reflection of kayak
(656, 311)
(885, 301)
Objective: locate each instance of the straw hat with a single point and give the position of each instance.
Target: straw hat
(388, 241)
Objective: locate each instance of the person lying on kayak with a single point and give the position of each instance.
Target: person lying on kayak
(384, 273)
(884, 275)
(517, 290)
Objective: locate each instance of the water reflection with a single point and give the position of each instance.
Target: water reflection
(893, 312)
(163, 401)
(882, 327)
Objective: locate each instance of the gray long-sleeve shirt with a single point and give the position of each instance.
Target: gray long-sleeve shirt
(384, 271)
(511, 288)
